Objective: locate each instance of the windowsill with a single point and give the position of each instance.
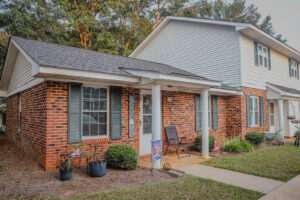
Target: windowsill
(94, 137)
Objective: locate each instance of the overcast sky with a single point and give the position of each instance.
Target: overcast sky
(285, 18)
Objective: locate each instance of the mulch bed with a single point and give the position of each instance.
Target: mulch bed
(19, 175)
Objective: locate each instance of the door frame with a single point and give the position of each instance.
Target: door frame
(142, 92)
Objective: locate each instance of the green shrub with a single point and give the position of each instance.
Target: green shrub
(236, 145)
(255, 138)
(247, 147)
(297, 133)
(121, 157)
(197, 146)
(233, 148)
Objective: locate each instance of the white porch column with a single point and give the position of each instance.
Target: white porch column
(205, 133)
(156, 119)
(281, 117)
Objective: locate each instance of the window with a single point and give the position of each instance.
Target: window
(263, 55)
(272, 114)
(20, 112)
(147, 114)
(95, 112)
(294, 70)
(254, 113)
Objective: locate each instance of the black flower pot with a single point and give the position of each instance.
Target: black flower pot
(96, 170)
(65, 175)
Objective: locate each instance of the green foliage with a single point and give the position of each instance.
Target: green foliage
(255, 138)
(65, 164)
(236, 145)
(297, 133)
(121, 157)
(112, 26)
(197, 146)
(95, 157)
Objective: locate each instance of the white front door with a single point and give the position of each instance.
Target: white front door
(145, 123)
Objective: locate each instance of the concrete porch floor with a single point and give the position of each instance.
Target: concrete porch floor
(172, 159)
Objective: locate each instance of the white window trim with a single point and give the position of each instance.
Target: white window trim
(253, 112)
(107, 115)
(263, 55)
(293, 68)
(272, 114)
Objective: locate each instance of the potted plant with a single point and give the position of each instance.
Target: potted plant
(65, 169)
(291, 117)
(97, 166)
(76, 150)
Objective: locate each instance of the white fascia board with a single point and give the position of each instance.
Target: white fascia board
(223, 91)
(35, 67)
(84, 74)
(166, 77)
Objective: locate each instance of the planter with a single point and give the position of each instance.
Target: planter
(65, 175)
(96, 170)
(295, 121)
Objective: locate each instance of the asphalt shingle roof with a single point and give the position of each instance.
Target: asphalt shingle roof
(55, 55)
(286, 89)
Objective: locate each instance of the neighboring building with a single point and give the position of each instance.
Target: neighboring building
(240, 55)
(59, 95)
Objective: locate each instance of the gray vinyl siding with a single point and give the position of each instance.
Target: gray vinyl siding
(212, 51)
(257, 76)
(21, 73)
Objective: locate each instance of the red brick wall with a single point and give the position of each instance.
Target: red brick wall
(57, 124)
(45, 120)
(31, 138)
(183, 116)
(236, 116)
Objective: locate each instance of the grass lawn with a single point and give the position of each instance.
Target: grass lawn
(278, 162)
(188, 187)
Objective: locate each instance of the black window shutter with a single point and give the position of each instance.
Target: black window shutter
(269, 59)
(262, 119)
(298, 71)
(116, 113)
(255, 53)
(74, 113)
(248, 101)
(215, 112)
(198, 113)
(290, 67)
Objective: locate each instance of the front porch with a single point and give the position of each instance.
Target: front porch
(173, 160)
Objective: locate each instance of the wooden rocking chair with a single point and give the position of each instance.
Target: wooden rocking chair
(175, 141)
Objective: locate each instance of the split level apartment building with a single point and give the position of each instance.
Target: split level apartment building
(202, 76)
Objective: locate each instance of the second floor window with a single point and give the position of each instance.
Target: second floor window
(294, 69)
(262, 55)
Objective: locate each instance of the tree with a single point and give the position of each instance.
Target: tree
(3, 46)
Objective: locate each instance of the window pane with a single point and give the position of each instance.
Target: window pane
(271, 108)
(147, 105)
(96, 105)
(103, 93)
(94, 129)
(102, 129)
(251, 118)
(147, 127)
(272, 120)
(95, 93)
(260, 60)
(266, 62)
(86, 105)
(85, 128)
(86, 92)
(256, 118)
(102, 117)
(255, 104)
(103, 104)
(94, 118)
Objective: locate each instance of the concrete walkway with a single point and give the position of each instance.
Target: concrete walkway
(255, 183)
(288, 191)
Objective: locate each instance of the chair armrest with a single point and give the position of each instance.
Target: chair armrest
(182, 138)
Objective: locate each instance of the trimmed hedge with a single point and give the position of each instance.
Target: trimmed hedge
(197, 146)
(255, 138)
(121, 157)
